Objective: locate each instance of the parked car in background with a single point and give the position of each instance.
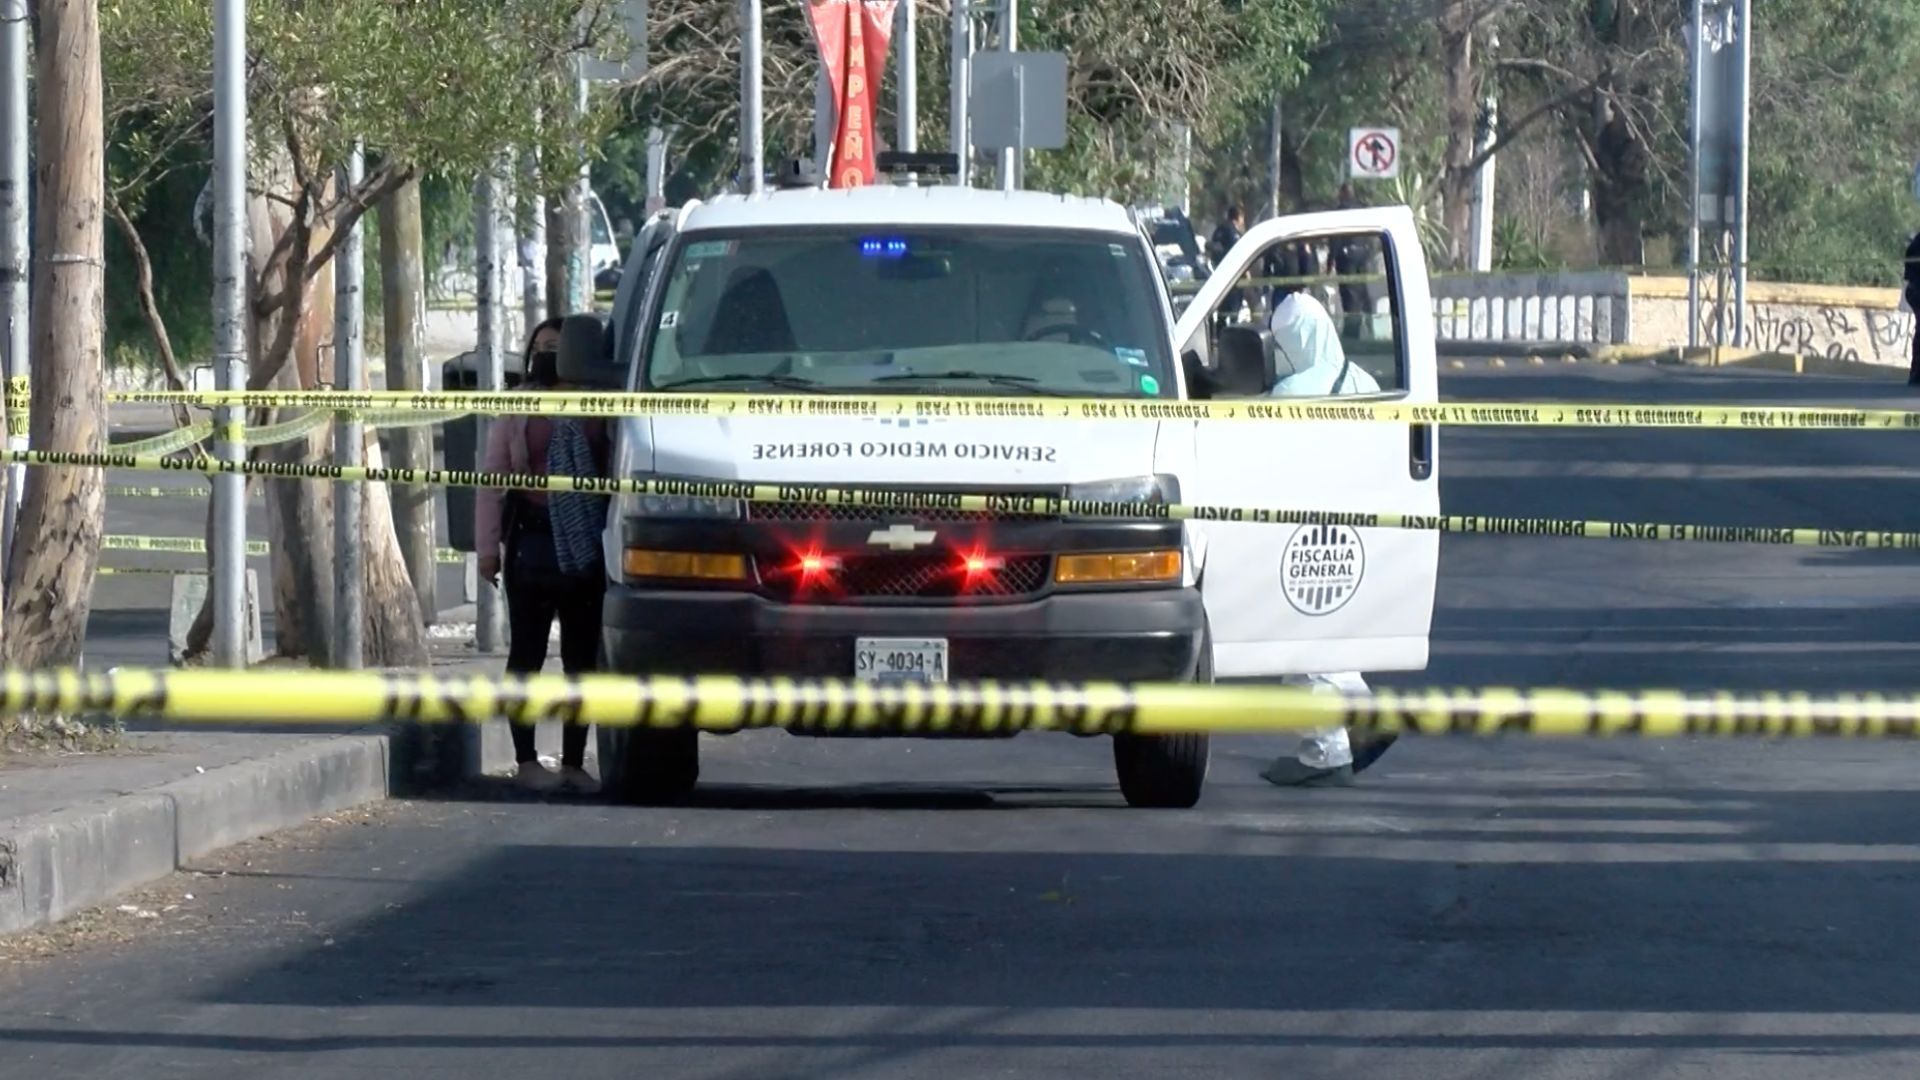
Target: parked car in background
(1183, 260)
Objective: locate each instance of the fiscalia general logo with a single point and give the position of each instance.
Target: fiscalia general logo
(1321, 568)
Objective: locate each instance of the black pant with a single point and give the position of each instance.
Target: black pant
(1354, 309)
(1913, 373)
(537, 593)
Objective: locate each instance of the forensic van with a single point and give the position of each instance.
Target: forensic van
(947, 292)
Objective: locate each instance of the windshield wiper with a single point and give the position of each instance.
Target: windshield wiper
(1018, 382)
(784, 382)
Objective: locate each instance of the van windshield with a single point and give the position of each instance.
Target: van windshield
(918, 311)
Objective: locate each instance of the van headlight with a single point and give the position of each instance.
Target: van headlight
(678, 506)
(1158, 488)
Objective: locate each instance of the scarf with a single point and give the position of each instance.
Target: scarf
(578, 518)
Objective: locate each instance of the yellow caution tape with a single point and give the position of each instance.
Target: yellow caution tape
(179, 545)
(167, 443)
(1280, 410)
(401, 418)
(726, 703)
(135, 491)
(19, 400)
(193, 545)
(884, 501)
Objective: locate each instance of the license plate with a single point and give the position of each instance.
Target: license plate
(900, 660)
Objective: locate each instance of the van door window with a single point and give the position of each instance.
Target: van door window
(1327, 314)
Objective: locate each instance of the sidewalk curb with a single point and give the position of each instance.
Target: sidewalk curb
(55, 864)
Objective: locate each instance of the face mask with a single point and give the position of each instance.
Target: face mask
(543, 368)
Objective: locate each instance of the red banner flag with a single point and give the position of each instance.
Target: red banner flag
(853, 36)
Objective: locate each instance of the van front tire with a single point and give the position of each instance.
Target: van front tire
(646, 766)
(1166, 772)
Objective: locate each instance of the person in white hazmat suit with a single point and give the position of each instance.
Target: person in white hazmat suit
(1306, 341)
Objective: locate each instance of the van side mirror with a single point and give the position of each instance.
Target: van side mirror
(1246, 368)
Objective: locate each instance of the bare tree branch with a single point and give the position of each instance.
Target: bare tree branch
(149, 305)
(1513, 130)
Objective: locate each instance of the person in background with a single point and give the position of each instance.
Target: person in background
(1292, 264)
(1305, 337)
(546, 549)
(1224, 238)
(1912, 293)
(1353, 258)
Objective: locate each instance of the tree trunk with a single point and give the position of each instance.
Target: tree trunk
(1620, 187)
(1462, 100)
(1293, 174)
(403, 295)
(559, 227)
(299, 512)
(50, 585)
(396, 632)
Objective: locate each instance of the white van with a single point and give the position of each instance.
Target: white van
(945, 291)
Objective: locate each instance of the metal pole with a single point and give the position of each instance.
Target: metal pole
(1276, 154)
(1483, 188)
(229, 582)
(349, 445)
(1010, 160)
(1013, 157)
(824, 118)
(580, 262)
(753, 151)
(656, 169)
(490, 631)
(14, 262)
(961, 124)
(908, 89)
(1693, 150)
(1743, 41)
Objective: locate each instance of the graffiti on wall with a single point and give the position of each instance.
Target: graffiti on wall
(1858, 334)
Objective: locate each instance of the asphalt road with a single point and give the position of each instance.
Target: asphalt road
(1492, 909)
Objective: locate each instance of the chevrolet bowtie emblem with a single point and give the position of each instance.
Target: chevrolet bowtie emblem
(901, 537)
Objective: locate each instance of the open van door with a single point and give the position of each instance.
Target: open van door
(1316, 599)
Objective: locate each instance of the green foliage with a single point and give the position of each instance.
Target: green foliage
(1835, 132)
(1134, 70)
(1418, 192)
(436, 87)
(1514, 247)
(441, 85)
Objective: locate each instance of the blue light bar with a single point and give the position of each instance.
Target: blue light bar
(883, 248)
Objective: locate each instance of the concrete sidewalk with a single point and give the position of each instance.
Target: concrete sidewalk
(77, 830)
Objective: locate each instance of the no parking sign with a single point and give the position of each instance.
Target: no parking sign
(1373, 153)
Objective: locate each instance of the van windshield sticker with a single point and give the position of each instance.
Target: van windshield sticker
(1149, 384)
(709, 249)
(1136, 357)
(1119, 250)
(669, 320)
